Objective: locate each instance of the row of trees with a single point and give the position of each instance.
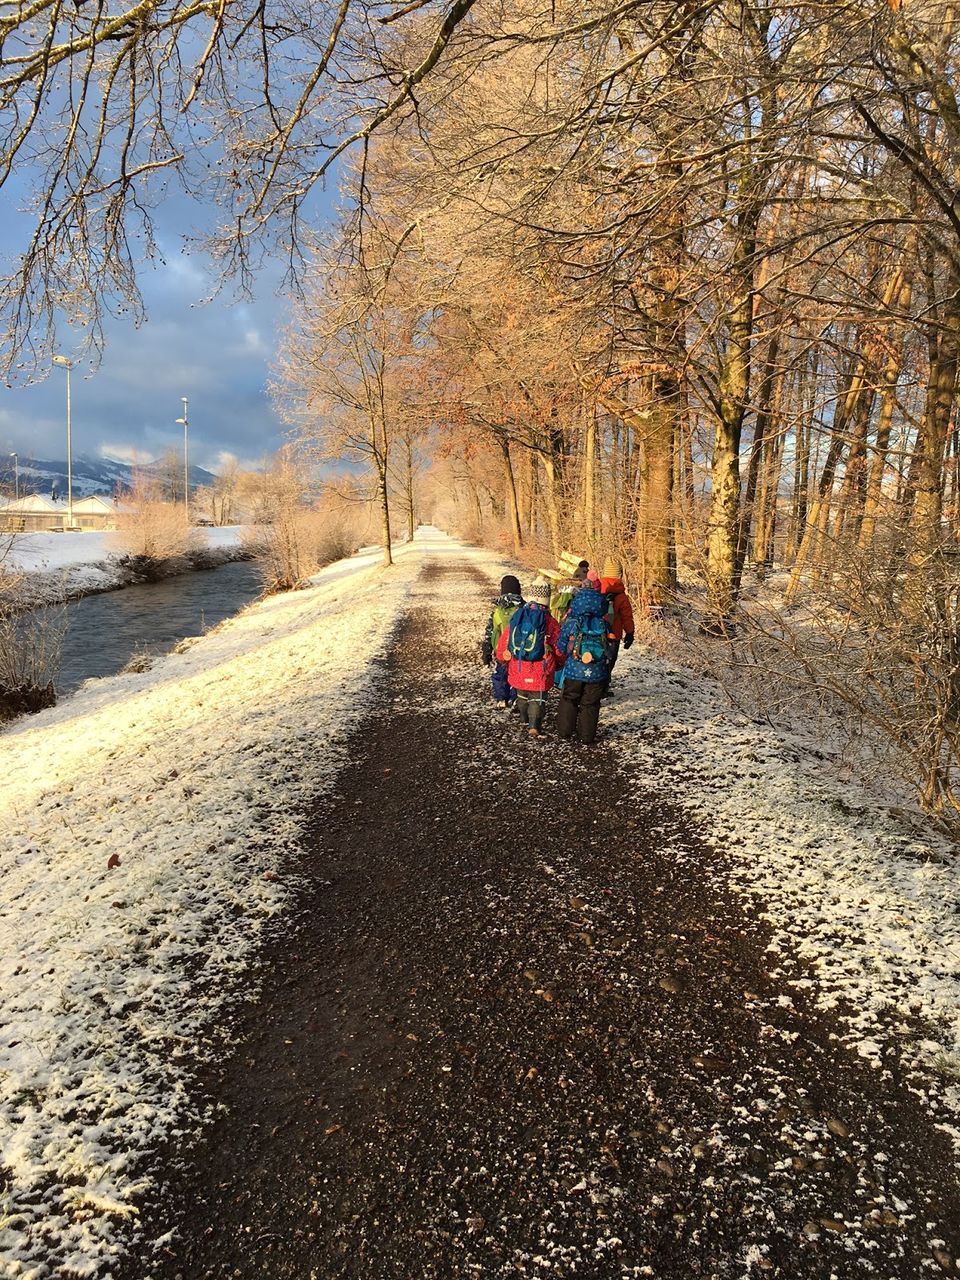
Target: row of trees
(686, 274)
(679, 282)
(676, 279)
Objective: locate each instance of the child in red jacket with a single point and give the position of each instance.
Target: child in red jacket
(622, 626)
(529, 644)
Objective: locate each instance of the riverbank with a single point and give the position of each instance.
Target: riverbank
(150, 824)
(54, 567)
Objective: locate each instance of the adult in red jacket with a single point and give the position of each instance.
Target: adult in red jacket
(532, 679)
(621, 629)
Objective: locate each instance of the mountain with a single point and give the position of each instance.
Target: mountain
(90, 475)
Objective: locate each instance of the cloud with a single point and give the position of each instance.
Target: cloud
(123, 453)
(217, 354)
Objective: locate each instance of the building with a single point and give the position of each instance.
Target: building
(94, 512)
(35, 512)
(32, 513)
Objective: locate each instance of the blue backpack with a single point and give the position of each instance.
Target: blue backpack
(528, 634)
(590, 641)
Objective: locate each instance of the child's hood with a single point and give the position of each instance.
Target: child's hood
(510, 598)
(588, 604)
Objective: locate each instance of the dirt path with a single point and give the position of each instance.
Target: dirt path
(522, 1030)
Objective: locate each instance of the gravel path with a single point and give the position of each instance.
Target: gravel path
(523, 1029)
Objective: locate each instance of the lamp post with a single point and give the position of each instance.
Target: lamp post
(16, 477)
(184, 422)
(64, 363)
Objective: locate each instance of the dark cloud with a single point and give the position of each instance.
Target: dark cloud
(217, 354)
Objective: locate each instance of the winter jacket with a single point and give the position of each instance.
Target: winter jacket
(612, 588)
(585, 604)
(503, 610)
(532, 676)
(560, 599)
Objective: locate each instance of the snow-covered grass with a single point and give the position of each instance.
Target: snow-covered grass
(148, 837)
(70, 564)
(865, 894)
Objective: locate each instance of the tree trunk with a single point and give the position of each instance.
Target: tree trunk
(589, 474)
(510, 492)
(817, 521)
(409, 490)
(926, 534)
(758, 456)
(551, 500)
(383, 495)
(655, 432)
(734, 392)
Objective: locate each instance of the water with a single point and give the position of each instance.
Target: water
(104, 631)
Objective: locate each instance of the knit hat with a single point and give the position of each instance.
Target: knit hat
(593, 578)
(612, 568)
(539, 591)
(509, 585)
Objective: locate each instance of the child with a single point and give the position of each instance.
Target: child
(611, 584)
(529, 644)
(564, 591)
(508, 602)
(583, 647)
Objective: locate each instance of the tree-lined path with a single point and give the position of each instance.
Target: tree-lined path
(521, 1028)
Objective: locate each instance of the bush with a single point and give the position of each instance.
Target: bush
(296, 543)
(153, 532)
(31, 644)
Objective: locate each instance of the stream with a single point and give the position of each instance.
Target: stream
(105, 631)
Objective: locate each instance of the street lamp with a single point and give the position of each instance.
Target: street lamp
(184, 422)
(64, 363)
(16, 476)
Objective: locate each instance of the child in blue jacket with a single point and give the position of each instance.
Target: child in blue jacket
(584, 646)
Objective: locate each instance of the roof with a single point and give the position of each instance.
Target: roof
(94, 503)
(33, 504)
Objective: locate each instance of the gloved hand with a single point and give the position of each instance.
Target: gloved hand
(628, 640)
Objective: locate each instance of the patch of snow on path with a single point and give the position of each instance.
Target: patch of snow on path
(148, 835)
(868, 896)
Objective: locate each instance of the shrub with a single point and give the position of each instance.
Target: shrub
(152, 531)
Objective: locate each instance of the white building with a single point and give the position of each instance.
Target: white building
(35, 512)
(94, 512)
(32, 513)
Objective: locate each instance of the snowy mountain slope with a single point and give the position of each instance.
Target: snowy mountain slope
(90, 475)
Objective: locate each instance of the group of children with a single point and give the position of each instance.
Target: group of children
(567, 636)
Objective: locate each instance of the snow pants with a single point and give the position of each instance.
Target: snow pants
(579, 709)
(502, 691)
(531, 707)
(613, 648)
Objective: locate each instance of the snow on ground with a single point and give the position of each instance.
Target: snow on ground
(58, 564)
(148, 841)
(867, 895)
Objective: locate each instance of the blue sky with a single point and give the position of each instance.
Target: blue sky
(217, 354)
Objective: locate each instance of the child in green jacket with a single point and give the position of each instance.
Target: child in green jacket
(506, 605)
